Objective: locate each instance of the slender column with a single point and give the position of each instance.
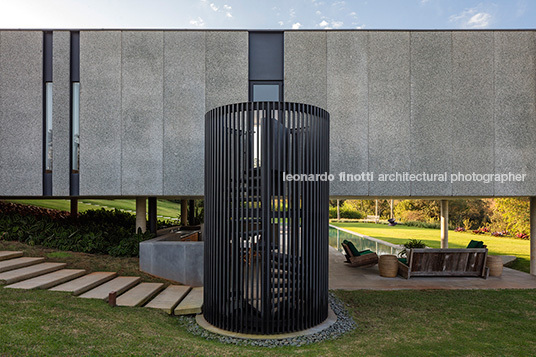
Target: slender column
(533, 235)
(392, 215)
(152, 214)
(338, 213)
(184, 213)
(444, 224)
(191, 213)
(74, 207)
(141, 212)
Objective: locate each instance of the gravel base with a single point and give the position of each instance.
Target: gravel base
(343, 324)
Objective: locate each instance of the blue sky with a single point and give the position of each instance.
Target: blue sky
(279, 14)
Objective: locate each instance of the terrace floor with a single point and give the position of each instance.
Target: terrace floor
(342, 276)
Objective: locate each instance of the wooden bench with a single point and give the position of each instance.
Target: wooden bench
(374, 219)
(445, 262)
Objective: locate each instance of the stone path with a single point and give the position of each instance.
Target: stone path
(17, 272)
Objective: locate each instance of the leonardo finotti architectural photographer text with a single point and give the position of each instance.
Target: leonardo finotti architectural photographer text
(409, 177)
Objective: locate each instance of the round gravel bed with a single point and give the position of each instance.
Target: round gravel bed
(343, 324)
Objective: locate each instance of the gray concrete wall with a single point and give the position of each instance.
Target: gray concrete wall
(61, 116)
(100, 113)
(400, 101)
(21, 113)
(445, 101)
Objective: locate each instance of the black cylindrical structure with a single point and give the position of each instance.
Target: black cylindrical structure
(266, 217)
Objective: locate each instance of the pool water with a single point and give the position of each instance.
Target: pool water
(361, 242)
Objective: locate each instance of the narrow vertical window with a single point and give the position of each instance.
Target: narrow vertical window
(75, 114)
(47, 113)
(75, 125)
(48, 128)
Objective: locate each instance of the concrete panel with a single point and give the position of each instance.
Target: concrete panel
(178, 261)
(21, 113)
(61, 113)
(184, 112)
(515, 114)
(306, 67)
(142, 112)
(431, 110)
(347, 103)
(226, 68)
(389, 111)
(100, 112)
(473, 100)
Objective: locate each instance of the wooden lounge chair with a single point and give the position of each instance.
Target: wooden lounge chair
(445, 262)
(365, 259)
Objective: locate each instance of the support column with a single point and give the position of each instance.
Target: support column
(184, 213)
(74, 207)
(533, 235)
(141, 214)
(338, 213)
(391, 204)
(191, 213)
(152, 215)
(444, 224)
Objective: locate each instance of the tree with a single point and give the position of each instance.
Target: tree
(515, 213)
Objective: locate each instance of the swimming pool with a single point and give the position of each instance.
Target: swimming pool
(338, 235)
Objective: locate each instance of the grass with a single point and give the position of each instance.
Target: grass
(164, 207)
(431, 237)
(389, 323)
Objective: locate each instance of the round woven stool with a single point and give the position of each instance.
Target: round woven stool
(495, 265)
(388, 265)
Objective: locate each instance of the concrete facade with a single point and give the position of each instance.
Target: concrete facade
(400, 101)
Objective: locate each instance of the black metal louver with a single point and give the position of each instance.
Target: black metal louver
(266, 238)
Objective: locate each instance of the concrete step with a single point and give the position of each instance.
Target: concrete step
(48, 280)
(139, 294)
(85, 283)
(168, 299)
(119, 285)
(9, 254)
(16, 263)
(13, 276)
(191, 304)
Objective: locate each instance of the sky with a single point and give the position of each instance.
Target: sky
(278, 14)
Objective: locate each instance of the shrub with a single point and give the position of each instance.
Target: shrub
(460, 229)
(345, 212)
(410, 244)
(95, 231)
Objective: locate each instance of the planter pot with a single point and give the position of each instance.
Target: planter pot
(388, 265)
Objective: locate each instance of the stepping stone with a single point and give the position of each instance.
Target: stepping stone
(13, 276)
(191, 304)
(168, 299)
(119, 285)
(48, 280)
(8, 254)
(85, 283)
(139, 294)
(16, 263)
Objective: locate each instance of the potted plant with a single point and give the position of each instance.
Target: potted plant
(410, 244)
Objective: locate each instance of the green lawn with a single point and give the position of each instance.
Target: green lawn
(431, 237)
(164, 207)
(389, 323)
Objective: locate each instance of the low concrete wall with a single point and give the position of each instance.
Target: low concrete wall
(178, 261)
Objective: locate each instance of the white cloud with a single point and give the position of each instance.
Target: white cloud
(472, 18)
(296, 26)
(280, 23)
(213, 7)
(318, 12)
(227, 7)
(336, 24)
(339, 3)
(353, 13)
(324, 23)
(424, 2)
(197, 22)
(292, 13)
(228, 14)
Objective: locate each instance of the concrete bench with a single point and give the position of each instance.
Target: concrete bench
(374, 219)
